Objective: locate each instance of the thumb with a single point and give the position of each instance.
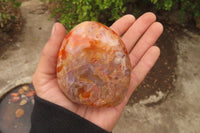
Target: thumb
(48, 59)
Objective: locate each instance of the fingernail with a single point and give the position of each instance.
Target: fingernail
(53, 29)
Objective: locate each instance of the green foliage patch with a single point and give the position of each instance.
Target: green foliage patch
(9, 13)
(71, 12)
(187, 8)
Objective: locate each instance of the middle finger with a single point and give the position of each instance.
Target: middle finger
(137, 30)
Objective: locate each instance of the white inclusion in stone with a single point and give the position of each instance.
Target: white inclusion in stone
(79, 30)
(117, 60)
(123, 63)
(106, 38)
(72, 49)
(119, 54)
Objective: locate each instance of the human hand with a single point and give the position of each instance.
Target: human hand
(138, 36)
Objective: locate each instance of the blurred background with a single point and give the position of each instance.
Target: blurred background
(166, 101)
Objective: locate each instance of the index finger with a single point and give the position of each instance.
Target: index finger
(123, 24)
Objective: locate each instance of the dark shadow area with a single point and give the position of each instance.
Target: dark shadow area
(15, 109)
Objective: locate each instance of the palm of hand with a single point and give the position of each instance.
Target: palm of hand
(138, 36)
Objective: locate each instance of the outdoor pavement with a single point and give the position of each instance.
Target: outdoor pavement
(19, 62)
(178, 114)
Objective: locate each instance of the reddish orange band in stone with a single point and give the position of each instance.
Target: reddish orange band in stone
(93, 66)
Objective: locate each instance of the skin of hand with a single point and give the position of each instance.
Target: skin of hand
(138, 36)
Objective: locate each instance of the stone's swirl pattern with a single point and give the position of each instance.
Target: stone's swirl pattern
(93, 66)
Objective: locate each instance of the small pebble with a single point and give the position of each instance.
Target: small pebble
(19, 113)
(9, 102)
(15, 99)
(21, 91)
(14, 94)
(30, 94)
(23, 102)
(15, 126)
(32, 101)
(26, 88)
(23, 96)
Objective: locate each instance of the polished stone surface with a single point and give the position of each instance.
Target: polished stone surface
(93, 66)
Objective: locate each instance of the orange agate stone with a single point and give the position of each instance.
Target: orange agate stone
(93, 66)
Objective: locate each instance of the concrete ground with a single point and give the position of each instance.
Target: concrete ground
(18, 62)
(178, 114)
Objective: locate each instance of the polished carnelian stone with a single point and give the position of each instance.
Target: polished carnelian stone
(93, 66)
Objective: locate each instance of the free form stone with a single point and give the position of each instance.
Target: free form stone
(93, 66)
